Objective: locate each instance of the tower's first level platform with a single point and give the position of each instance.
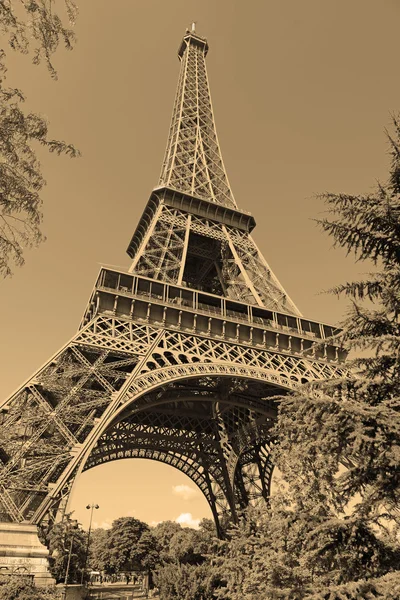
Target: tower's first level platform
(147, 300)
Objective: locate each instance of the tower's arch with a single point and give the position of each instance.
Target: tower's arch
(213, 428)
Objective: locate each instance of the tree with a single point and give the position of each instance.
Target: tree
(130, 546)
(338, 441)
(147, 551)
(185, 547)
(207, 526)
(164, 532)
(32, 27)
(98, 545)
(61, 538)
(262, 555)
(184, 565)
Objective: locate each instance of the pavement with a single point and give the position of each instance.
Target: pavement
(116, 591)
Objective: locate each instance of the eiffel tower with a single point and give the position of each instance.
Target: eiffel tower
(177, 360)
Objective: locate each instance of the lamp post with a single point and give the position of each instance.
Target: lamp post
(67, 571)
(89, 507)
(71, 528)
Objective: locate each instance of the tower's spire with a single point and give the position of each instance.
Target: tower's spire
(193, 162)
(191, 232)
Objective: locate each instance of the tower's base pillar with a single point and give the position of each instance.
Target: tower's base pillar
(22, 553)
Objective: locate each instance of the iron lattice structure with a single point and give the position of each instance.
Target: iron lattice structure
(178, 360)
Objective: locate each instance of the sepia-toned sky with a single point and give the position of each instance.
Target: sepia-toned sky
(302, 92)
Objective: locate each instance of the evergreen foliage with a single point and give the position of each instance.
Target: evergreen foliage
(262, 557)
(35, 28)
(185, 582)
(384, 588)
(338, 442)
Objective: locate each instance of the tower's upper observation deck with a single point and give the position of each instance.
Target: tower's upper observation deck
(192, 38)
(193, 162)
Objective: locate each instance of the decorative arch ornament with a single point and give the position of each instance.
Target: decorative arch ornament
(56, 418)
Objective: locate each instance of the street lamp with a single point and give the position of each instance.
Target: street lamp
(72, 527)
(89, 507)
(67, 571)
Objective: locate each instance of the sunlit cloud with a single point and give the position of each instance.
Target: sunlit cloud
(184, 491)
(186, 520)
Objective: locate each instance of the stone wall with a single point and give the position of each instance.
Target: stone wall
(74, 592)
(21, 552)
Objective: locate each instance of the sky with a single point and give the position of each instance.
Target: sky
(302, 93)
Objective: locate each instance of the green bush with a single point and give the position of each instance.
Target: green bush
(22, 588)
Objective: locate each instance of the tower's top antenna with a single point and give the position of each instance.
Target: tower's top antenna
(191, 37)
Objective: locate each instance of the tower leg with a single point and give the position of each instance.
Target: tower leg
(22, 553)
(213, 507)
(261, 461)
(225, 450)
(240, 489)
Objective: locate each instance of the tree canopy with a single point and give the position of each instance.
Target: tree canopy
(32, 27)
(183, 570)
(97, 559)
(63, 539)
(338, 441)
(129, 545)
